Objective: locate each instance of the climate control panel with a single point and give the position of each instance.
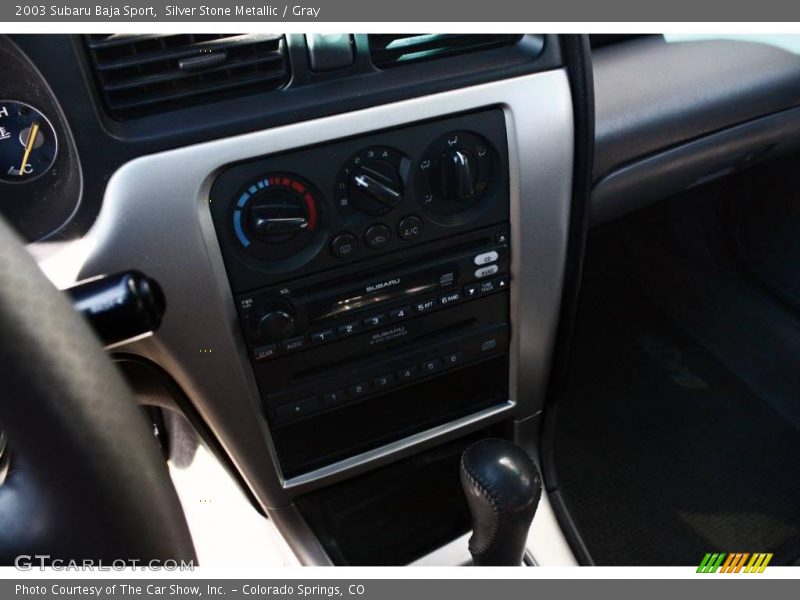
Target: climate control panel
(324, 207)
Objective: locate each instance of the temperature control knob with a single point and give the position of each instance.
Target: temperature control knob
(453, 176)
(275, 217)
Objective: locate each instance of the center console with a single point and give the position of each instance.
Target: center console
(371, 280)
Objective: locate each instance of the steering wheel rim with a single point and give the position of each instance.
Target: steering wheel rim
(86, 479)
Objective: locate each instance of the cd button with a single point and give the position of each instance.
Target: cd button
(486, 258)
(486, 271)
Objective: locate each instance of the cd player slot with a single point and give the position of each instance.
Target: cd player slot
(413, 345)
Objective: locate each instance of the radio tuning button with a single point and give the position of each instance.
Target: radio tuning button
(375, 187)
(453, 176)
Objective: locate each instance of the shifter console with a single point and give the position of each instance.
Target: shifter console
(369, 270)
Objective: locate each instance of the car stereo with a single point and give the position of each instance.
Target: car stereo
(371, 280)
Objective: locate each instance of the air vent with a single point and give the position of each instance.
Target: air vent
(145, 74)
(394, 50)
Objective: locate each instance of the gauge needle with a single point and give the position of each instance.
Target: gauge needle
(29, 146)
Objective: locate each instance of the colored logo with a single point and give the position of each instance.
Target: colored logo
(736, 562)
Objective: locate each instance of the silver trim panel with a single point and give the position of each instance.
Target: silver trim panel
(155, 218)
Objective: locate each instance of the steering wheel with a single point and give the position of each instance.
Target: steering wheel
(86, 479)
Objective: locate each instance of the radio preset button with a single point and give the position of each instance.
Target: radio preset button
(265, 352)
(432, 366)
(375, 320)
(400, 313)
(322, 336)
(377, 236)
(454, 358)
(359, 389)
(294, 344)
(486, 271)
(333, 398)
(450, 298)
(343, 245)
(486, 258)
(410, 228)
(383, 381)
(407, 374)
(425, 305)
(297, 409)
(349, 328)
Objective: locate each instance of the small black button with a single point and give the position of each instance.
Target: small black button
(383, 381)
(431, 366)
(375, 320)
(297, 409)
(349, 328)
(333, 398)
(410, 228)
(471, 291)
(407, 374)
(424, 305)
(450, 298)
(265, 352)
(359, 389)
(377, 237)
(453, 359)
(322, 336)
(486, 287)
(343, 245)
(400, 313)
(501, 238)
(501, 283)
(293, 344)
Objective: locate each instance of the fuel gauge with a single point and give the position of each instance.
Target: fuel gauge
(28, 143)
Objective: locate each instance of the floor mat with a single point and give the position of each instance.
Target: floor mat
(661, 452)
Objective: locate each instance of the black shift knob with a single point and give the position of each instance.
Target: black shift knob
(503, 488)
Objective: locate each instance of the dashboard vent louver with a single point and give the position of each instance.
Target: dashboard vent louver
(394, 50)
(145, 74)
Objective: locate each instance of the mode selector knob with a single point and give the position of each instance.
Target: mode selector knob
(453, 176)
(375, 187)
(275, 324)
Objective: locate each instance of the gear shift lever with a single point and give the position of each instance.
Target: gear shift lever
(503, 488)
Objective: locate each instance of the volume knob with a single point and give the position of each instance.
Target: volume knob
(275, 325)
